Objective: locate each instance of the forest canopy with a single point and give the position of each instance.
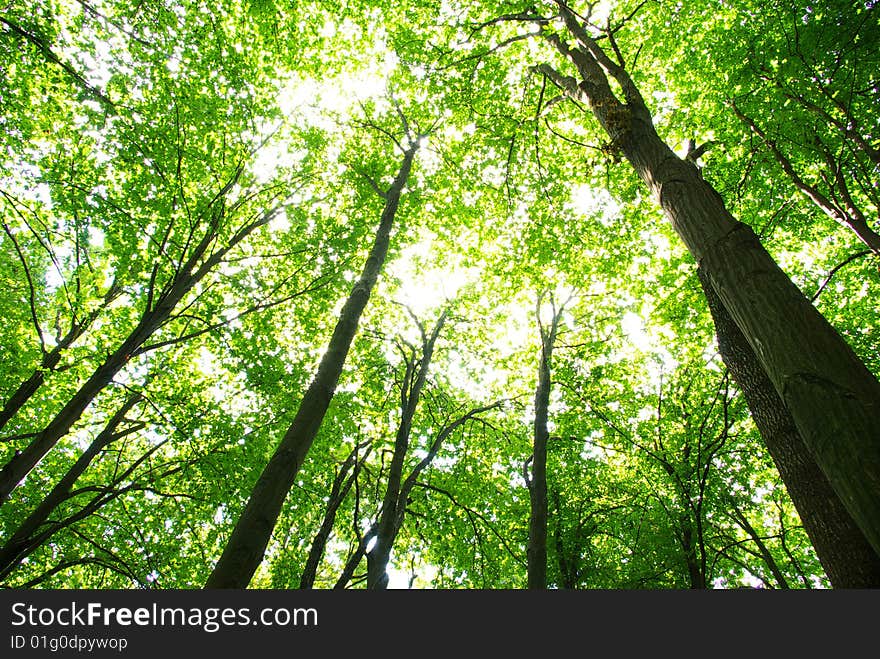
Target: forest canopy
(440, 294)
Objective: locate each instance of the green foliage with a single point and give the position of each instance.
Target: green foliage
(133, 131)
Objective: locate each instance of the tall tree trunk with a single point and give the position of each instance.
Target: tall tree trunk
(833, 398)
(537, 549)
(848, 558)
(695, 566)
(247, 544)
(567, 558)
(393, 504)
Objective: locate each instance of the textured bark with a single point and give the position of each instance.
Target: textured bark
(247, 544)
(190, 273)
(27, 537)
(833, 398)
(771, 563)
(848, 558)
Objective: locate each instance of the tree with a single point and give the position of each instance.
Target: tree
(160, 304)
(339, 489)
(25, 539)
(396, 492)
(248, 541)
(537, 482)
(817, 78)
(831, 395)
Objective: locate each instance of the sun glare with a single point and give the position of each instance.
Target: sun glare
(426, 289)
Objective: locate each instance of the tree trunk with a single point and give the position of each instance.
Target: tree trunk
(247, 544)
(393, 504)
(537, 549)
(354, 560)
(695, 566)
(25, 538)
(338, 491)
(567, 562)
(771, 563)
(29, 387)
(848, 558)
(23, 462)
(833, 398)
(50, 359)
(189, 274)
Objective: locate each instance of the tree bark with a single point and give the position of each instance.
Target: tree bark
(842, 549)
(250, 537)
(833, 398)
